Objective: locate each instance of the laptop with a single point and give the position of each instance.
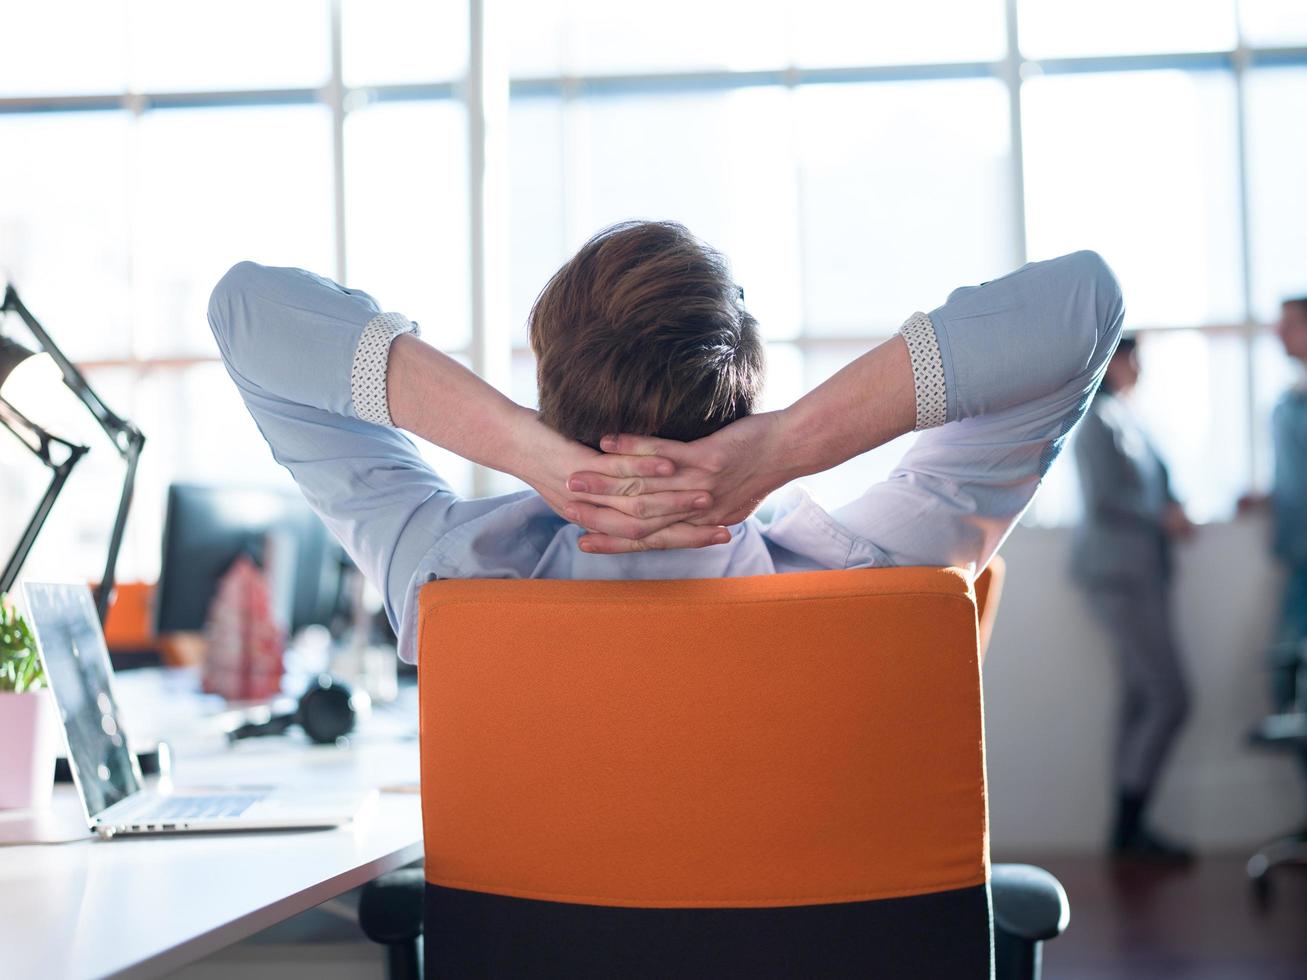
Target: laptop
(105, 771)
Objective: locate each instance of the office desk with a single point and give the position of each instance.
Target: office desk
(139, 907)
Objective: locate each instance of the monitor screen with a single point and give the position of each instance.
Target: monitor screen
(77, 669)
(206, 528)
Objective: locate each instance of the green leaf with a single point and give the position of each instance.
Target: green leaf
(20, 665)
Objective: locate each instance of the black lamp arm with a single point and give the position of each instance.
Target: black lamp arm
(42, 445)
(135, 442)
(126, 438)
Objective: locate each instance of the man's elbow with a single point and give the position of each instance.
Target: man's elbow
(230, 293)
(236, 281)
(229, 289)
(1092, 270)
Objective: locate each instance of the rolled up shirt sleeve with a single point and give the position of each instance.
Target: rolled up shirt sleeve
(305, 338)
(309, 359)
(1020, 358)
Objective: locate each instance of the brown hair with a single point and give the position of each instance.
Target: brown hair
(644, 331)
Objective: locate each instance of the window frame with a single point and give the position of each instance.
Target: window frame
(486, 90)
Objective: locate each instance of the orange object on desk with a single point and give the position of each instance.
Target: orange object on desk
(129, 627)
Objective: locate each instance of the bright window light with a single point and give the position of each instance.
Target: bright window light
(894, 214)
(719, 163)
(1277, 151)
(216, 186)
(388, 41)
(837, 33)
(91, 59)
(1077, 28)
(1204, 444)
(1275, 23)
(406, 213)
(537, 209)
(854, 161)
(1275, 374)
(63, 225)
(1142, 167)
(237, 44)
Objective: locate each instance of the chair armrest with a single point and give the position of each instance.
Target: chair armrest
(1029, 903)
(390, 908)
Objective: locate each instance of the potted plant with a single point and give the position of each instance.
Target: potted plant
(28, 733)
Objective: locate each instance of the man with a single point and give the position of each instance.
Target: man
(1122, 558)
(643, 332)
(1288, 501)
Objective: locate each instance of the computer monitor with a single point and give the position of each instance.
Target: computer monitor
(207, 527)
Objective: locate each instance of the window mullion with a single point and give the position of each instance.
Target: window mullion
(1012, 77)
(335, 96)
(486, 92)
(1241, 61)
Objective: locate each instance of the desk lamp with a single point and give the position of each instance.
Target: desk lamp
(60, 455)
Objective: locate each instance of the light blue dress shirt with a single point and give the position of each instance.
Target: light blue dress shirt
(1021, 357)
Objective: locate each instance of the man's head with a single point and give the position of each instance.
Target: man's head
(1292, 328)
(644, 331)
(1123, 368)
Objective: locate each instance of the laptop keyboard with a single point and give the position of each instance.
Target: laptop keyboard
(202, 807)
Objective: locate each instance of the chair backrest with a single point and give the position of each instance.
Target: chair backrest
(807, 746)
(989, 590)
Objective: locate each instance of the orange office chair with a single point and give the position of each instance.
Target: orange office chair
(777, 776)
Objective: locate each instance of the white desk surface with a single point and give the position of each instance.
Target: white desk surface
(140, 907)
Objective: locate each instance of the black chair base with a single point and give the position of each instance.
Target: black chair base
(1278, 854)
(390, 913)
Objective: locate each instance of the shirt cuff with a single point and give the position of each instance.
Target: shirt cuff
(927, 371)
(367, 379)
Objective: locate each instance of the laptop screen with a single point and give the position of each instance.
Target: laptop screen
(77, 669)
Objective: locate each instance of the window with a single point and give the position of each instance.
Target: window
(1274, 23)
(406, 213)
(237, 44)
(894, 215)
(833, 33)
(397, 41)
(1079, 28)
(1277, 145)
(854, 161)
(1204, 441)
(204, 199)
(1143, 167)
(64, 239)
(90, 35)
(1274, 374)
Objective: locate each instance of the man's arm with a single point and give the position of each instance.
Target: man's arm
(1009, 366)
(327, 375)
(309, 359)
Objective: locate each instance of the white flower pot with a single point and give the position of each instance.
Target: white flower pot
(29, 740)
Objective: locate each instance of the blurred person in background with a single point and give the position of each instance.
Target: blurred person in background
(1122, 558)
(1287, 657)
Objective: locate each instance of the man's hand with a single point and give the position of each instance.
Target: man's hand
(435, 397)
(659, 517)
(1176, 522)
(1253, 503)
(734, 469)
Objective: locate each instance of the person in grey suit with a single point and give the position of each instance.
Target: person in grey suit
(1122, 558)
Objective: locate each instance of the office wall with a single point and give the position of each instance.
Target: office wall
(1050, 692)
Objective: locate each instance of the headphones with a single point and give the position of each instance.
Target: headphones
(326, 711)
